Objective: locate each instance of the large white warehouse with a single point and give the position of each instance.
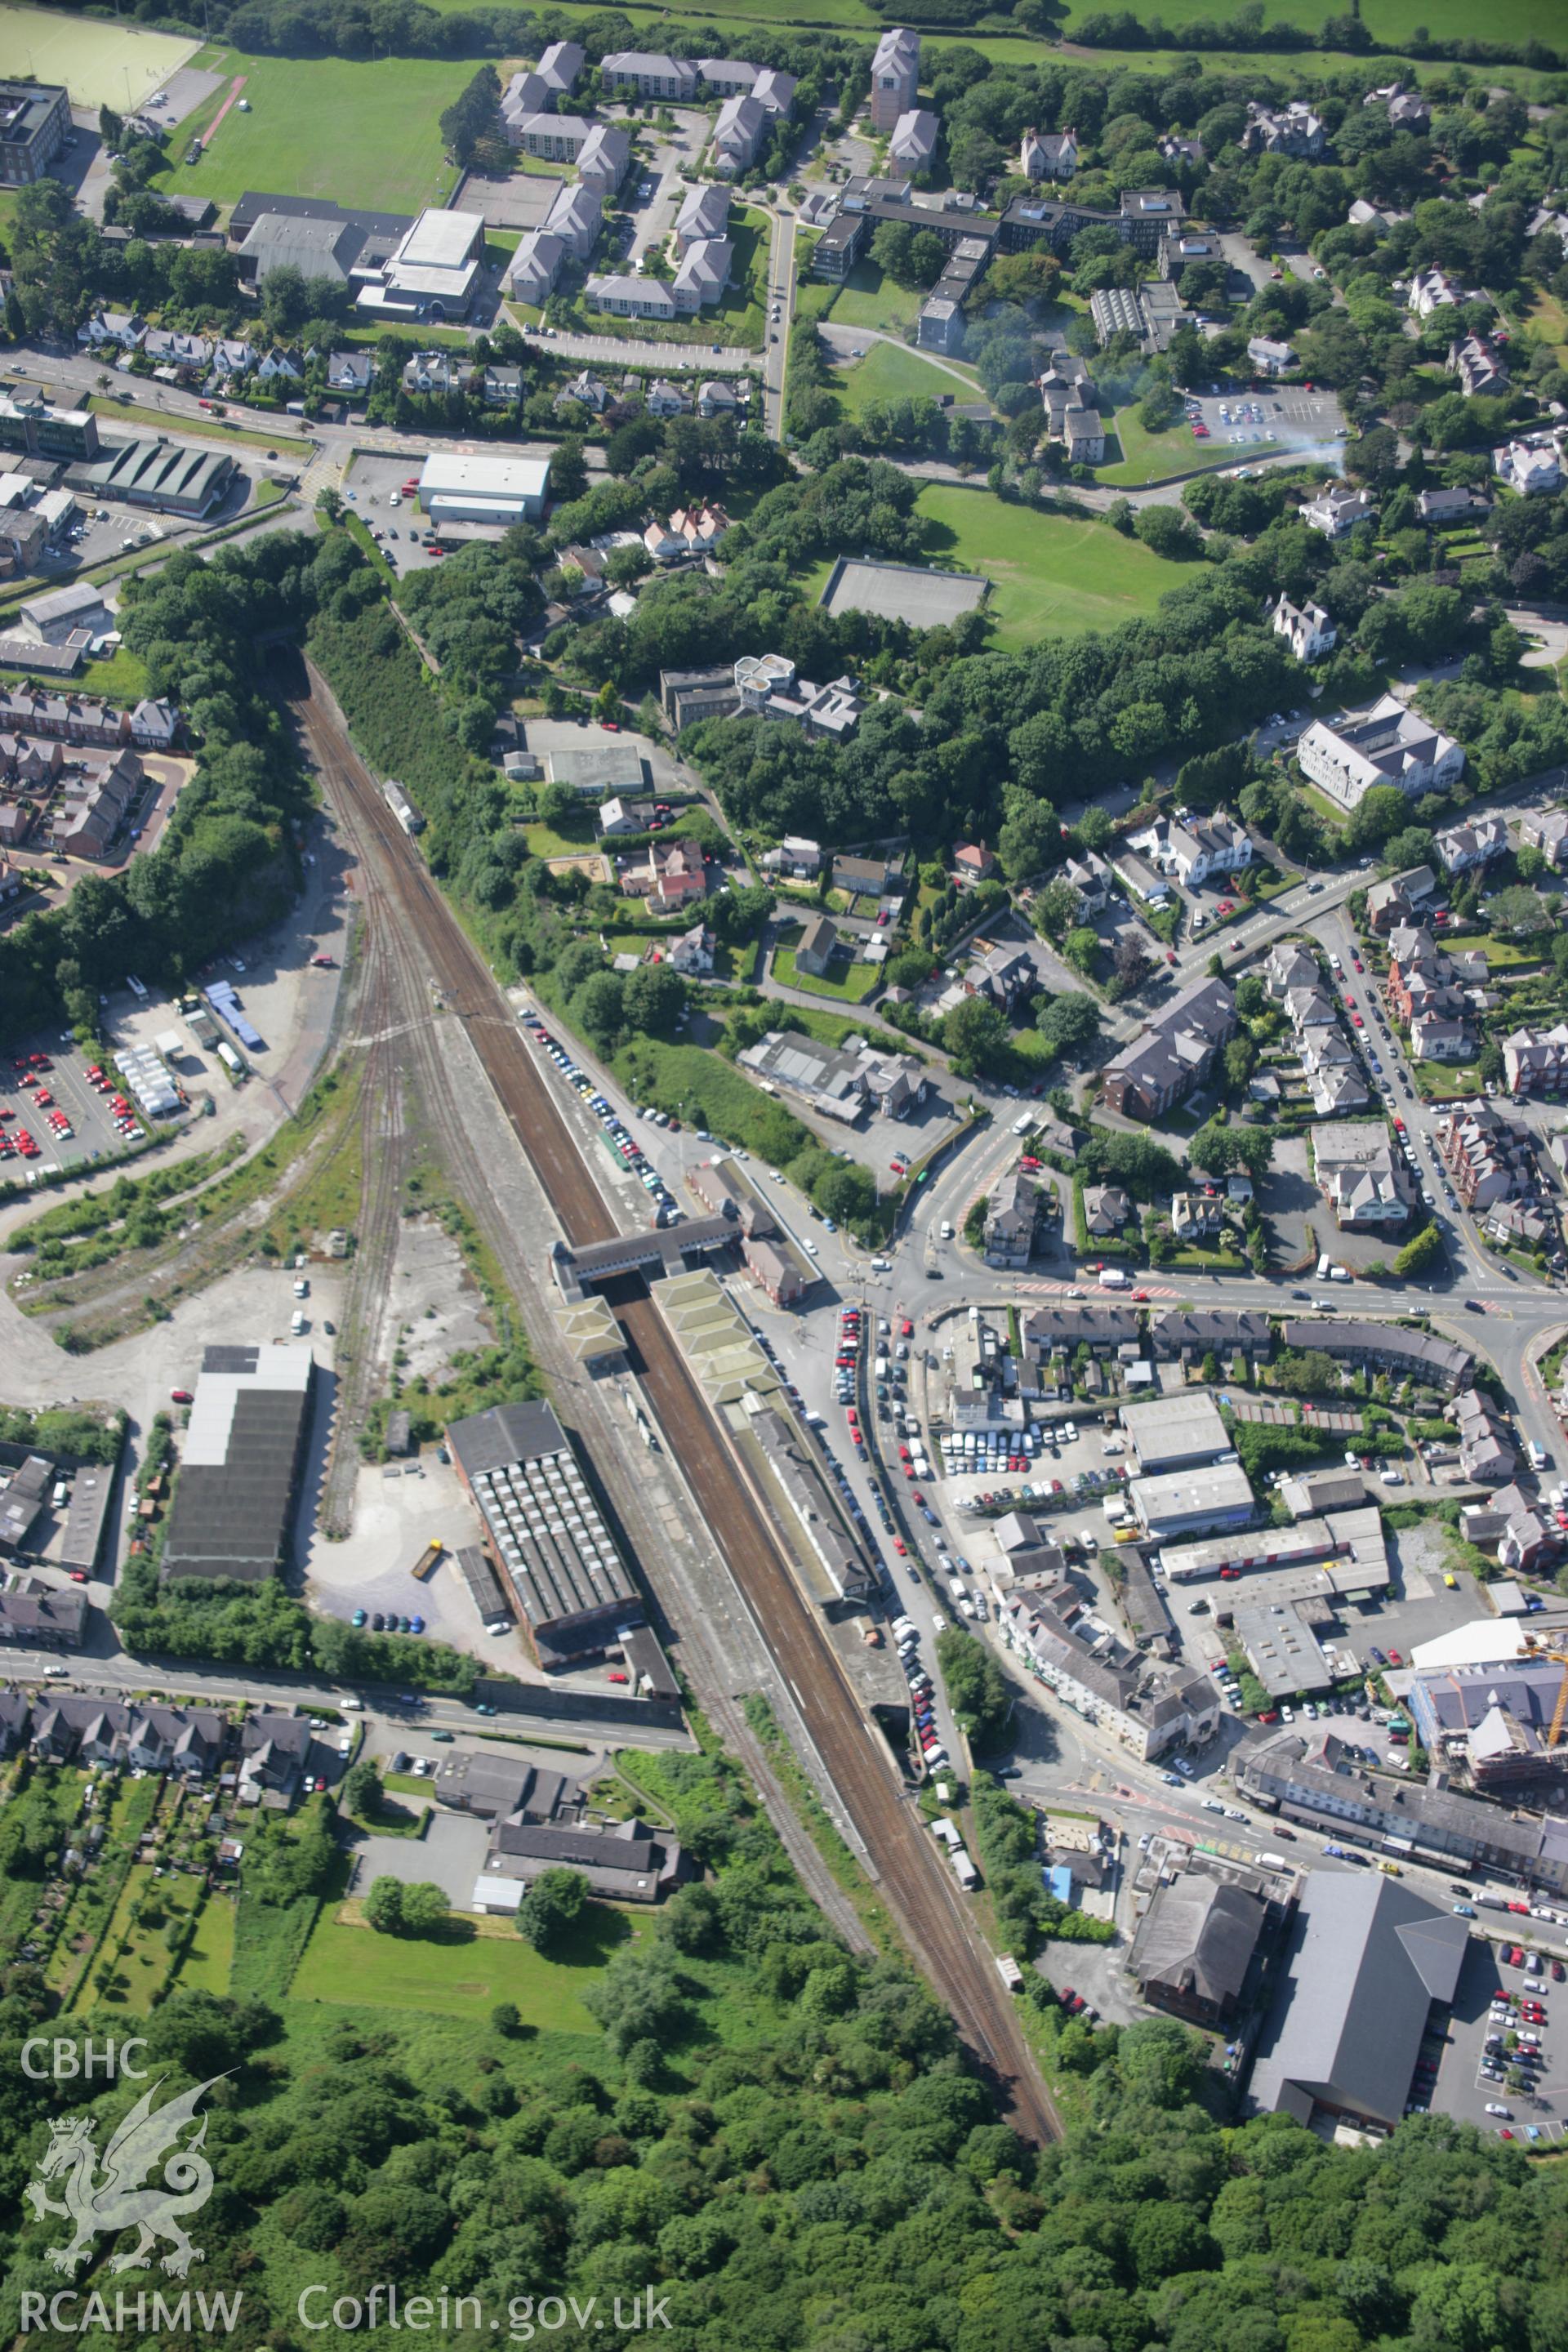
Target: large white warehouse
(484, 489)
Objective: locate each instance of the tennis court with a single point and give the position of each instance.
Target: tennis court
(902, 592)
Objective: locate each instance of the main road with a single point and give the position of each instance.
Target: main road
(396, 890)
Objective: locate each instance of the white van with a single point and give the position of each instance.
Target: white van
(297, 1321)
(1022, 1126)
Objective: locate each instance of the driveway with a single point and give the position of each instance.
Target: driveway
(450, 1855)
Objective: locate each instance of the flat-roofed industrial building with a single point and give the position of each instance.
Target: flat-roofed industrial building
(545, 1533)
(484, 489)
(1176, 1433)
(1188, 1501)
(242, 1464)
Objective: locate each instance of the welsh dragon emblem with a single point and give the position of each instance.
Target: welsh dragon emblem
(109, 2195)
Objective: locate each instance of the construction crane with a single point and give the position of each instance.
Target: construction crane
(1560, 1712)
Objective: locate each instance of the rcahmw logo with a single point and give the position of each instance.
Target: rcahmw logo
(104, 2195)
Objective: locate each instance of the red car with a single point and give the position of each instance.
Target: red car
(905, 1329)
(180, 1396)
(1229, 1575)
(1357, 1020)
(900, 1548)
(1394, 1659)
(78, 1576)
(1358, 963)
(1140, 1297)
(918, 1499)
(1170, 955)
(616, 1675)
(611, 726)
(322, 964)
(1399, 1127)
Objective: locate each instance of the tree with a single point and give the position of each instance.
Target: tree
(653, 999)
(1030, 838)
(1167, 530)
(981, 1693)
(975, 1033)
(551, 1907)
(1081, 948)
(425, 1908)
(1379, 814)
(384, 1906)
(552, 801)
(1068, 1021)
(1424, 1252)
(1520, 910)
(1312, 1371)
(1057, 909)
(1130, 960)
(363, 1789)
(1218, 1148)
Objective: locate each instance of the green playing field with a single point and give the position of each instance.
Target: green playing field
(363, 131)
(101, 65)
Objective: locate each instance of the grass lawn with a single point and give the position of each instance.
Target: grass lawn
(1155, 457)
(1436, 1080)
(207, 1964)
(139, 1971)
(867, 299)
(1049, 574)
(889, 372)
(121, 679)
(361, 131)
(1547, 315)
(850, 983)
(101, 64)
(543, 841)
(463, 1973)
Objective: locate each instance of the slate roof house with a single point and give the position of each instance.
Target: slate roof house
(1196, 1945)
(1175, 1051)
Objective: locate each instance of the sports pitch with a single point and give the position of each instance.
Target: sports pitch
(361, 131)
(101, 65)
(902, 592)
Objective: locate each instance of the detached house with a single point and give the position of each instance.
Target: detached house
(1012, 1214)
(1048, 155)
(1338, 509)
(1360, 1178)
(1306, 629)
(1478, 365)
(1395, 902)
(1195, 848)
(1463, 847)
(1529, 466)
(1433, 289)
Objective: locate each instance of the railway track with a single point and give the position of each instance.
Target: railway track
(405, 905)
(358, 1356)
